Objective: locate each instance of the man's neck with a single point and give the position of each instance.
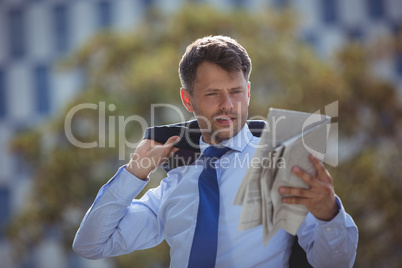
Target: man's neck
(215, 140)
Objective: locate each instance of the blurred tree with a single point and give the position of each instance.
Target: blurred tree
(127, 73)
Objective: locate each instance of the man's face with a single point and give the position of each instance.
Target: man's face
(219, 102)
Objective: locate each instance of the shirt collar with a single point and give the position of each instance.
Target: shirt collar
(237, 143)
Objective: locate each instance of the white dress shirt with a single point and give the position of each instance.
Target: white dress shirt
(117, 223)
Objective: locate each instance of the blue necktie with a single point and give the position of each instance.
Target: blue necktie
(205, 241)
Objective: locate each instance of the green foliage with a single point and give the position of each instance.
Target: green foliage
(135, 70)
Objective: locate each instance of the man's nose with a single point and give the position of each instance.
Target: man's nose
(226, 102)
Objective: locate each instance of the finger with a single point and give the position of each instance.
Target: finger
(322, 172)
(167, 149)
(295, 192)
(150, 143)
(295, 200)
(146, 145)
(305, 176)
(171, 141)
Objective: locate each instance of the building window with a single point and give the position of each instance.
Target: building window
(280, 4)
(60, 28)
(397, 35)
(41, 80)
(104, 14)
(238, 3)
(329, 11)
(398, 63)
(355, 34)
(2, 95)
(147, 3)
(375, 8)
(4, 205)
(16, 33)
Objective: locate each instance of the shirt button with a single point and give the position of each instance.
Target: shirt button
(329, 229)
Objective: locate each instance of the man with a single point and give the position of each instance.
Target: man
(214, 72)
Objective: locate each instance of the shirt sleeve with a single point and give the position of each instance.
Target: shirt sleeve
(117, 223)
(332, 243)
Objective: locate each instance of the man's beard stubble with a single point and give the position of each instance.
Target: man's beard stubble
(218, 135)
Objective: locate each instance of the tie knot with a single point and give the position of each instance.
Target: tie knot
(215, 152)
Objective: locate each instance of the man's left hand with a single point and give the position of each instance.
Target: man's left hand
(319, 198)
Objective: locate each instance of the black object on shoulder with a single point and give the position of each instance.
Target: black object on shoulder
(189, 133)
(189, 149)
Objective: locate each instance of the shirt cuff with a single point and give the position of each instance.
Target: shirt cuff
(332, 228)
(124, 185)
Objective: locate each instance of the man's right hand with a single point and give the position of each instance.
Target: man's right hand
(149, 155)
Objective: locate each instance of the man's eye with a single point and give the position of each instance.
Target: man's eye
(211, 94)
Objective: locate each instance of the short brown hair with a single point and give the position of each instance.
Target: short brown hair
(220, 50)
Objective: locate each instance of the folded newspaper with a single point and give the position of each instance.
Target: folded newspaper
(287, 140)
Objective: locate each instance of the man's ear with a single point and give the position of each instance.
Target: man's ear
(186, 99)
(248, 91)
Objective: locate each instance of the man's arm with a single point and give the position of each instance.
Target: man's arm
(116, 224)
(329, 243)
(102, 232)
(328, 235)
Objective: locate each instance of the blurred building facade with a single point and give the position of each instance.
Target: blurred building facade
(35, 34)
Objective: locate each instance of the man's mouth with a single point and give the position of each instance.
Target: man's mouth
(225, 120)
